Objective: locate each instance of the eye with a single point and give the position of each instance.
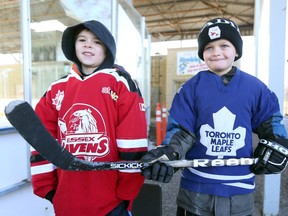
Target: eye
(97, 42)
(208, 48)
(81, 39)
(223, 46)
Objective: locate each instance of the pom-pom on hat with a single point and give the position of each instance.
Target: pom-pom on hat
(220, 28)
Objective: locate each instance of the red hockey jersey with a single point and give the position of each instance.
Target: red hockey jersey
(96, 118)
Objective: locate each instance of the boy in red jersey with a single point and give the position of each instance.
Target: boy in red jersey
(92, 112)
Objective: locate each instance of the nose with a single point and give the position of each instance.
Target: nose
(216, 51)
(87, 44)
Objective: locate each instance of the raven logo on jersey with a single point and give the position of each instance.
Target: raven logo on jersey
(83, 132)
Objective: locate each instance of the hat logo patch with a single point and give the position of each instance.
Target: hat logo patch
(214, 32)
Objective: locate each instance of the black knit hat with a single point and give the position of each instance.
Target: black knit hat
(220, 28)
(97, 28)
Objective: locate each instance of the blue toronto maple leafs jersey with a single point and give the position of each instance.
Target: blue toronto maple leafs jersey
(223, 118)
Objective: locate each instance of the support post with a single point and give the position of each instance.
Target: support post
(276, 56)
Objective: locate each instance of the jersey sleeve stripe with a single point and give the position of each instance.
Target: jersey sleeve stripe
(130, 170)
(135, 143)
(42, 169)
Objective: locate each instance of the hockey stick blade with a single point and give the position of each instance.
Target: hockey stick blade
(24, 119)
(22, 116)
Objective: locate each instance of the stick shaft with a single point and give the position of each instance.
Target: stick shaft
(176, 164)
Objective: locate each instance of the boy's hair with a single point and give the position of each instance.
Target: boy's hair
(220, 28)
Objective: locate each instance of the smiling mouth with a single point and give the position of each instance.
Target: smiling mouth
(88, 54)
(217, 59)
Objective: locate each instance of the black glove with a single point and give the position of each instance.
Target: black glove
(272, 156)
(159, 171)
(49, 196)
(120, 210)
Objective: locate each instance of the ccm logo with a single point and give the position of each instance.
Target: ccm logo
(275, 146)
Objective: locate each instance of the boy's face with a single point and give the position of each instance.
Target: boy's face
(90, 51)
(219, 56)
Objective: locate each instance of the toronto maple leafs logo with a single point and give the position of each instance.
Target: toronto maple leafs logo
(222, 140)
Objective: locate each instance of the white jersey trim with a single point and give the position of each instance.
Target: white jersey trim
(241, 185)
(220, 177)
(42, 169)
(136, 143)
(130, 170)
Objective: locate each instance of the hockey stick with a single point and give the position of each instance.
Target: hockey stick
(22, 116)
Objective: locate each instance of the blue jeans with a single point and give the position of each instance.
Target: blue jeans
(120, 210)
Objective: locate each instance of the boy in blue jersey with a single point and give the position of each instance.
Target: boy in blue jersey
(213, 116)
